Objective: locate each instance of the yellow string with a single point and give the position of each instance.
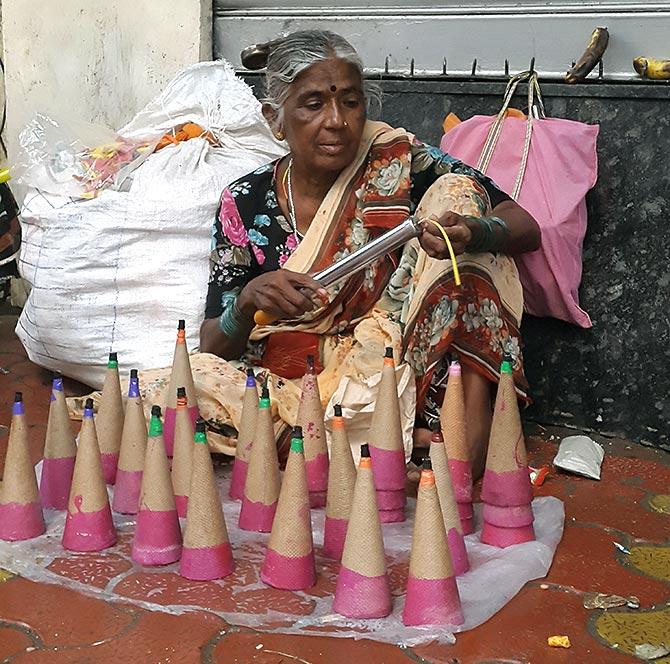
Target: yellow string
(454, 265)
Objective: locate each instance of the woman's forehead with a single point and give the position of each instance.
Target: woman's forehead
(328, 75)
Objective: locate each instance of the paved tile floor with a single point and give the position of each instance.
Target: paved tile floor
(51, 624)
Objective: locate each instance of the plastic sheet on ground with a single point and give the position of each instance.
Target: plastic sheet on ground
(496, 575)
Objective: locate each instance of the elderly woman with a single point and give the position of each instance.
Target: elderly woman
(345, 181)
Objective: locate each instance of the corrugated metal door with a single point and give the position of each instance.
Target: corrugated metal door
(391, 34)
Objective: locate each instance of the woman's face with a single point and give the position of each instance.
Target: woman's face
(324, 116)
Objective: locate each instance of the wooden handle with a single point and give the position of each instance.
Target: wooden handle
(261, 318)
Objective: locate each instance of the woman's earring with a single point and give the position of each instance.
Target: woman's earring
(279, 135)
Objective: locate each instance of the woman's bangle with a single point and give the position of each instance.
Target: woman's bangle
(489, 234)
(231, 321)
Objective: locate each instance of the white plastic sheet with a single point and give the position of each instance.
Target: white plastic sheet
(496, 576)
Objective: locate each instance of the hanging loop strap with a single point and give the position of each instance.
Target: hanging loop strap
(534, 101)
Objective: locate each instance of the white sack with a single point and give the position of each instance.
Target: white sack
(117, 272)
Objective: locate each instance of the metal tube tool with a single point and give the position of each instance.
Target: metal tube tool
(359, 259)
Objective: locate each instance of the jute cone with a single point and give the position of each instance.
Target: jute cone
(310, 418)
(453, 422)
(245, 437)
(207, 553)
(432, 594)
(392, 516)
(385, 437)
(261, 490)
(109, 422)
(157, 538)
(20, 511)
(60, 451)
(133, 451)
(450, 515)
(181, 376)
(88, 525)
(467, 514)
(183, 453)
(341, 481)
(289, 559)
(502, 537)
(362, 589)
(506, 479)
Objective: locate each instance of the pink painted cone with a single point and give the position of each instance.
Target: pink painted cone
(261, 490)
(506, 490)
(385, 437)
(341, 481)
(453, 422)
(133, 451)
(245, 437)
(88, 525)
(503, 537)
(181, 376)
(445, 493)
(109, 421)
(432, 594)
(183, 453)
(362, 589)
(157, 538)
(207, 553)
(20, 510)
(289, 559)
(310, 419)
(392, 516)
(506, 479)
(60, 451)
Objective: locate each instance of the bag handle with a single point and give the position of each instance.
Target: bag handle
(535, 101)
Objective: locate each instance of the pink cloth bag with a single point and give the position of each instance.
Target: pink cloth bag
(547, 165)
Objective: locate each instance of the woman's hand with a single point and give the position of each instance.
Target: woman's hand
(457, 230)
(281, 293)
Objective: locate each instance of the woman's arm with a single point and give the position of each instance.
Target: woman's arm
(509, 229)
(280, 293)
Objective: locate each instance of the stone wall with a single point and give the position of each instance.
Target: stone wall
(615, 377)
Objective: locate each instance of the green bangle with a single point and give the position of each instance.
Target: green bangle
(231, 321)
(489, 235)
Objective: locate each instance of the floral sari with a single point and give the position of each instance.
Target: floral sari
(407, 300)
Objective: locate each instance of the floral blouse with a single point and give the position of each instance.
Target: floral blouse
(251, 235)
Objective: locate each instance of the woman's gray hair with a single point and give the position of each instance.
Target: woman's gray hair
(289, 56)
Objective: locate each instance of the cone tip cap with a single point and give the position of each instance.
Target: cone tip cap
(297, 432)
(265, 392)
(133, 373)
(200, 425)
(250, 372)
(88, 406)
(181, 324)
(56, 374)
(365, 450)
(18, 397)
(427, 464)
(155, 411)
(338, 410)
(388, 352)
(113, 357)
(181, 392)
